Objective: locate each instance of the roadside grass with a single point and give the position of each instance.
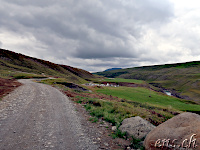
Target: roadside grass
(94, 119)
(147, 96)
(115, 111)
(136, 143)
(119, 134)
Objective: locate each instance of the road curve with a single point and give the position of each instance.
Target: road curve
(37, 117)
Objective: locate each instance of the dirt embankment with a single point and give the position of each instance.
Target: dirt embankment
(7, 85)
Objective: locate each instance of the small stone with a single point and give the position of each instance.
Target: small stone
(46, 146)
(114, 128)
(128, 148)
(106, 144)
(98, 139)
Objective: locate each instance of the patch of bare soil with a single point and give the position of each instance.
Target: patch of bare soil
(8, 85)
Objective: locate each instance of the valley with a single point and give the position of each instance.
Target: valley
(111, 96)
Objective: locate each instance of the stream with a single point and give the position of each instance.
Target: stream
(168, 92)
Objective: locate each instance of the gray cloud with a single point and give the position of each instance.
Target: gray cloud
(113, 33)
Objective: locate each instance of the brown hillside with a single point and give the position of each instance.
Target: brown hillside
(20, 62)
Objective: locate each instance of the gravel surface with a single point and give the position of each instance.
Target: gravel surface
(37, 116)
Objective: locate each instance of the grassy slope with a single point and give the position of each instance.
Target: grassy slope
(143, 95)
(182, 77)
(11, 62)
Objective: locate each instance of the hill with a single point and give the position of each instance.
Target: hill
(15, 62)
(181, 79)
(112, 69)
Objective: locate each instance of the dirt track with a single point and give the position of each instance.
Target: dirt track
(37, 116)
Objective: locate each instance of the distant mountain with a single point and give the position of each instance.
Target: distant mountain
(18, 62)
(182, 79)
(112, 69)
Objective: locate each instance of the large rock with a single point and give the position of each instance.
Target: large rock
(136, 127)
(178, 132)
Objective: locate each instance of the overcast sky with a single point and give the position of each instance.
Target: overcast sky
(99, 34)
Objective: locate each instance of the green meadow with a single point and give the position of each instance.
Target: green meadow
(144, 95)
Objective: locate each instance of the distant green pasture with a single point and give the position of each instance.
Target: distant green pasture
(144, 95)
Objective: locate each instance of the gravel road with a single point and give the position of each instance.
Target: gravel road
(37, 116)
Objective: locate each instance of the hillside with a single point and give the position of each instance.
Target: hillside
(182, 79)
(112, 69)
(11, 61)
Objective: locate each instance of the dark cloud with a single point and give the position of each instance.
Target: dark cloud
(86, 29)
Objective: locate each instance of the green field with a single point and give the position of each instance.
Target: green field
(143, 95)
(182, 78)
(123, 80)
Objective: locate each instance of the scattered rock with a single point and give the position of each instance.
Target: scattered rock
(181, 131)
(106, 144)
(114, 128)
(136, 127)
(99, 139)
(128, 148)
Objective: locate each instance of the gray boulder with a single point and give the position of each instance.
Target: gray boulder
(136, 127)
(179, 132)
